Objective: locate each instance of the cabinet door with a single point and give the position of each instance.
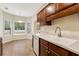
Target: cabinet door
(42, 17)
(58, 50)
(43, 50)
(52, 53)
(61, 6)
(68, 4)
(65, 12)
(50, 9)
(44, 42)
(38, 17)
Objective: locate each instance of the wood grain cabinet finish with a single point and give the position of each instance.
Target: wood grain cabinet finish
(41, 17)
(1, 47)
(50, 9)
(53, 8)
(65, 12)
(56, 10)
(50, 49)
(43, 50)
(61, 6)
(44, 42)
(59, 51)
(52, 53)
(43, 47)
(38, 17)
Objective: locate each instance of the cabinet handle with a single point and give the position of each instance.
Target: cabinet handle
(48, 51)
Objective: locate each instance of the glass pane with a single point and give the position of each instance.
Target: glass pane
(28, 28)
(7, 25)
(19, 26)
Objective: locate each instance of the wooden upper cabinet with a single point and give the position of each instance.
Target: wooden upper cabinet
(54, 7)
(56, 10)
(43, 17)
(50, 9)
(38, 17)
(68, 11)
(61, 6)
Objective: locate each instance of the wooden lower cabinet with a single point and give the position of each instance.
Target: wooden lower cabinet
(52, 53)
(1, 47)
(43, 50)
(58, 50)
(50, 49)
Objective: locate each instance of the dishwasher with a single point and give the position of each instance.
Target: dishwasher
(35, 44)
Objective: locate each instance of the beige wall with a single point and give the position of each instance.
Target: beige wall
(68, 23)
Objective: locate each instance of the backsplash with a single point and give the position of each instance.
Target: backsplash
(68, 23)
(69, 26)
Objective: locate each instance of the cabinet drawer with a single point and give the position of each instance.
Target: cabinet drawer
(44, 42)
(58, 50)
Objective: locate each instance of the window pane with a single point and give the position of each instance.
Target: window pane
(19, 26)
(7, 25)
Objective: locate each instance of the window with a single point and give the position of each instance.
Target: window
(7, 25)
(7, 28)
(19, 25)
(28, 27)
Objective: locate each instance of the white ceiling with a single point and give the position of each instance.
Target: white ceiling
(21, 9)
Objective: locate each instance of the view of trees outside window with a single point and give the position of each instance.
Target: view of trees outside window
(19, 26)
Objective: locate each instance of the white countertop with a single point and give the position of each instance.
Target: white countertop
(66, 43)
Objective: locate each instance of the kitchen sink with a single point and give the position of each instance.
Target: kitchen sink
(63, 41)
(58, 40)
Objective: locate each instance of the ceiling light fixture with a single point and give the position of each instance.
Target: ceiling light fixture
(20, 21)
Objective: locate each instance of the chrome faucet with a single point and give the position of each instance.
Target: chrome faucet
(59, 34)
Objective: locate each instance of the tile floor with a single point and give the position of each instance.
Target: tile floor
(18, 48)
